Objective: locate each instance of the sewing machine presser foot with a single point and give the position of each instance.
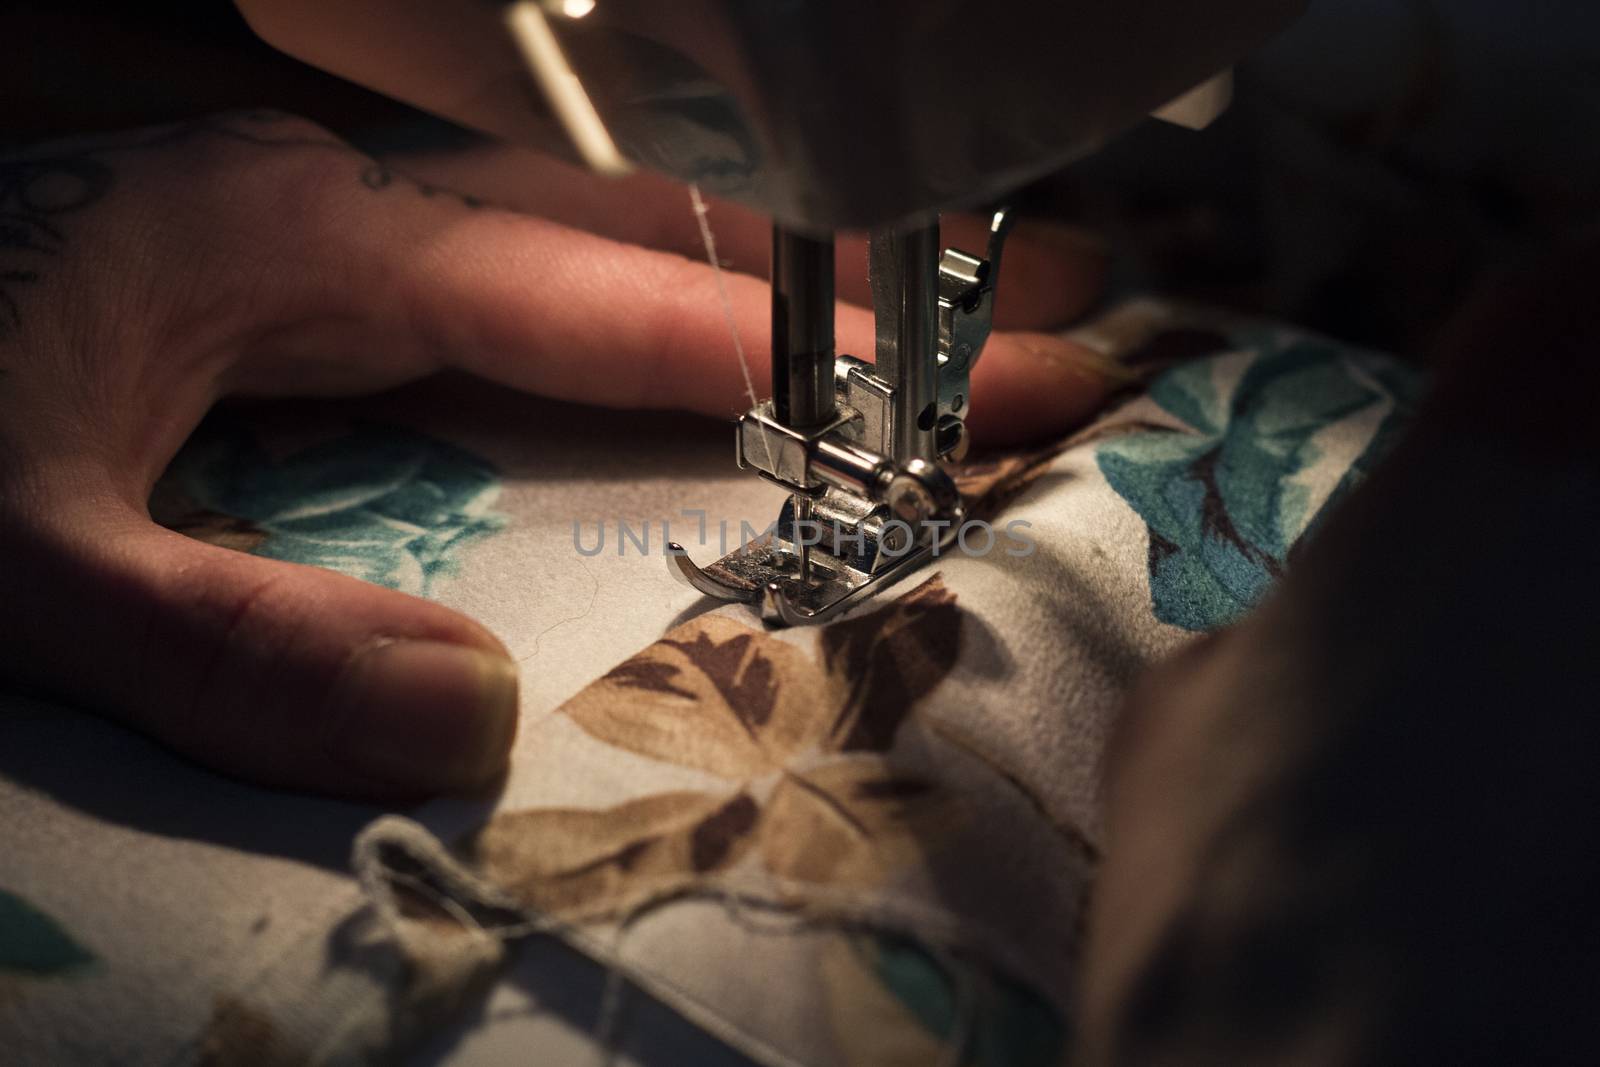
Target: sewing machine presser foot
(766, 573)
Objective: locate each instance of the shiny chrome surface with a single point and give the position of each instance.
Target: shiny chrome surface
(802, 328)
(868, 501)
(766, 573)
(904, 266)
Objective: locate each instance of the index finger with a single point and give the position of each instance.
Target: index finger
(1052, 273)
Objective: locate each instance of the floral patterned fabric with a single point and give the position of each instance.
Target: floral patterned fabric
(868, 843)
(882, 789)
(831, 807)
(1230, 487)
(799, 747)
(381, 503)
(32, 943)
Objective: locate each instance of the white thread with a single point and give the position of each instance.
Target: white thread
(710, 242)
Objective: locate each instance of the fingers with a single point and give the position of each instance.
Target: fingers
(665, 341)
(1052, 273)
(367, 280)
(1030, 386)
(281, 674)
(567, 314)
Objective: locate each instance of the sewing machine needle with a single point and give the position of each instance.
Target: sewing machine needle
(802, 539)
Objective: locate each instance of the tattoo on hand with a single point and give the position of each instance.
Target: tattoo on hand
(35, 196)
(379, 176)
(39, 193)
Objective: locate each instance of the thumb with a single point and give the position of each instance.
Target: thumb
(284, 674)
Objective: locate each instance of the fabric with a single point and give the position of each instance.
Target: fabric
(864, 843)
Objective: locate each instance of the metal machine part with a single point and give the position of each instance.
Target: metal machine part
(857, 444)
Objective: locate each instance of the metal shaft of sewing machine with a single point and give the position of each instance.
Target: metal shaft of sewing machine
(802, 328)
(857, 444)
(905, 279)
(904, 271)
(803, 393)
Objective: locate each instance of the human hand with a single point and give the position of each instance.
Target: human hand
(145, 276)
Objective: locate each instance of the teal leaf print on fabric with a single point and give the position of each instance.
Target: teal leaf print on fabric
(1272, 434)
(1009, 1025)
(33, 943)
(388, 505)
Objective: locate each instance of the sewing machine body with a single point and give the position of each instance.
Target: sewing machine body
(824, 114)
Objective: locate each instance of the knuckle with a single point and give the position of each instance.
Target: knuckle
(254, 169)
(258, 205)
(300, 172)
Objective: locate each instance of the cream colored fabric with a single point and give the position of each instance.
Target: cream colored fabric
(870, 901)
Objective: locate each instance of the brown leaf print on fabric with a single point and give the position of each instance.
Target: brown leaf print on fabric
(847, 824)
(239, 1035)
(798, 739)
(653, 677)
(721, 834)
(888, 664)
(724, 699)
(576, 863)
(746, 683)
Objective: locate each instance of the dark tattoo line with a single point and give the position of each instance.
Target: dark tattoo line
(379, 176)
(10, 219)
(37, 190)
(33, 193)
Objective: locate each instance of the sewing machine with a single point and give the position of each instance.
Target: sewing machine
(826, 115)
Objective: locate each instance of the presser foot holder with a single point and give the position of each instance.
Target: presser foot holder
(765, 573)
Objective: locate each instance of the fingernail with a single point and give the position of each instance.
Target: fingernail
(424, 715)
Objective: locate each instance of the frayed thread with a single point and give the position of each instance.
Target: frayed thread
(395, 855)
